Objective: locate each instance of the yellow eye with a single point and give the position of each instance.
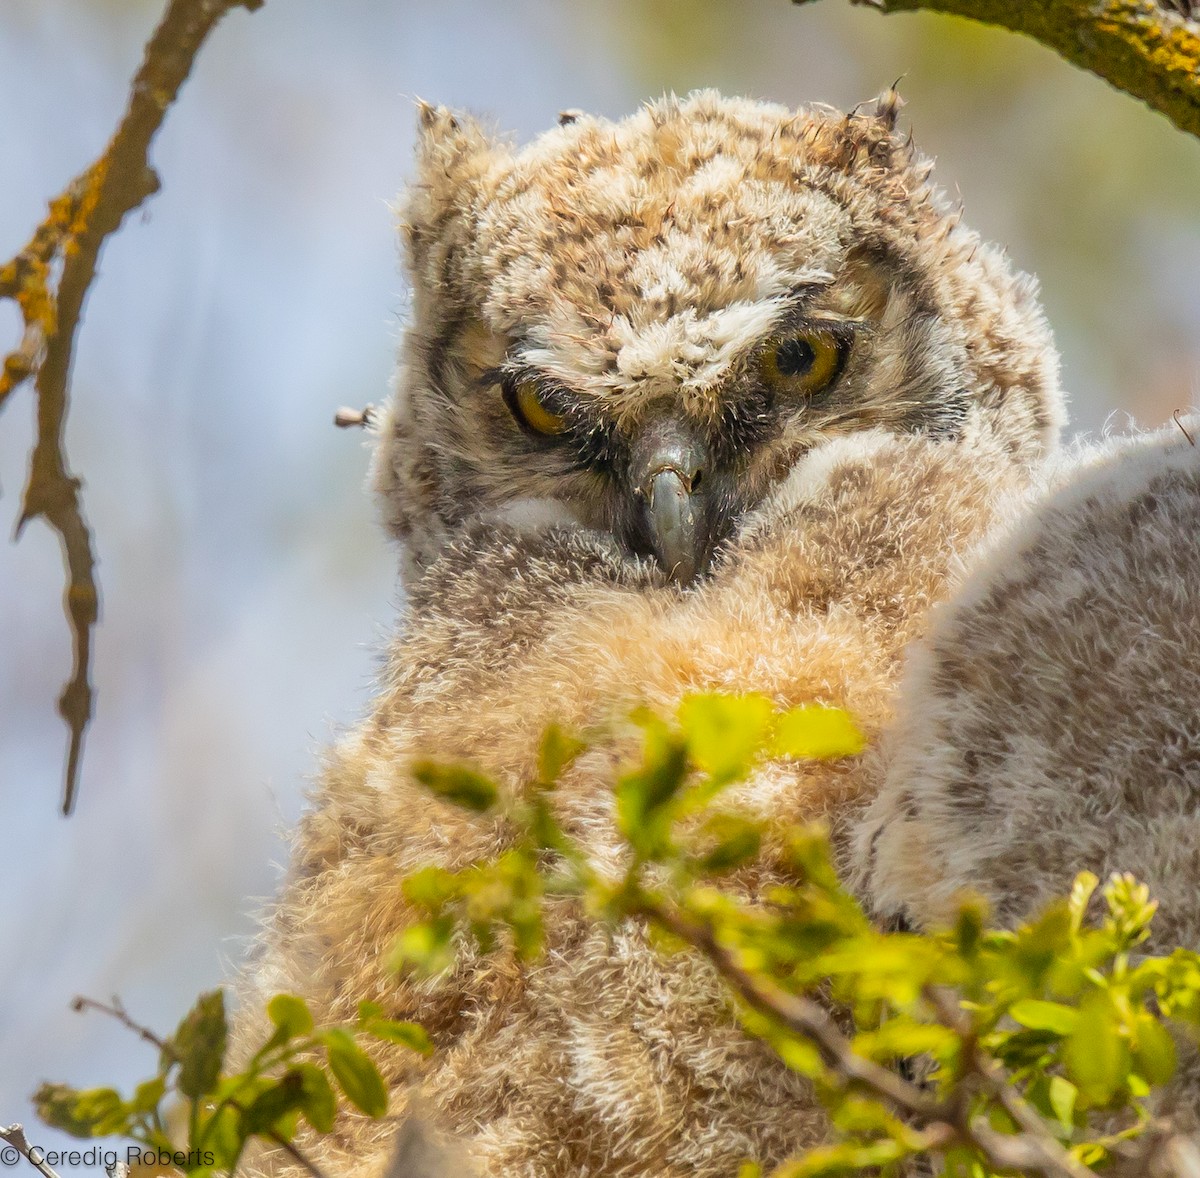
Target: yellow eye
(525, 400)
(802, 364)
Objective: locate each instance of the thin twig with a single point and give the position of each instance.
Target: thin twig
(69, 241)
(1046, 1154)
(15, 1136)
(295, 1154)
(117, 1010)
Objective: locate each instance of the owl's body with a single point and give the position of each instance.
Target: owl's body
(1048, 724)
(605, 1058)
(719, 397)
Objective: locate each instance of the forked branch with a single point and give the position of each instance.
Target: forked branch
(49, 280)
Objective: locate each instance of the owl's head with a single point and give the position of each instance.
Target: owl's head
(645, 323)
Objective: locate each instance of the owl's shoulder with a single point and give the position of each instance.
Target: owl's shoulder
(1047, 722)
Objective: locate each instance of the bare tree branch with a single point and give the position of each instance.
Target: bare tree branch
(68, 244)
(1147, 49)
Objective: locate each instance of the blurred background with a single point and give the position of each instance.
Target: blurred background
(246, 587)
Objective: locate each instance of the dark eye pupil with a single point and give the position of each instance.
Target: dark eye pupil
(794, 357)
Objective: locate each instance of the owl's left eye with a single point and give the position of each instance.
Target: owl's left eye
(526, 402)
(803, 364)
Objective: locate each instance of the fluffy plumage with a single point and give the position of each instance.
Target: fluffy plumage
(1048, 724)
(605, 1058)
(635, 272)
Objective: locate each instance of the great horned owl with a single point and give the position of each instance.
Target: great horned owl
(1048, 723)
(716, 397)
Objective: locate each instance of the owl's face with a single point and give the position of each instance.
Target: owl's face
(646, 323)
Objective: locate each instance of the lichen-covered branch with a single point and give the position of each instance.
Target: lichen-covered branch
(49, 280)
(1147, 49)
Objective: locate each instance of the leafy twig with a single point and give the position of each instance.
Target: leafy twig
(284, 1144)
(1043, 1154)
(799, 1014)
(1034, 1151)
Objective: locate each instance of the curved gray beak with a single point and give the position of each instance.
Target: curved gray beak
(674, 526)
(668, 473)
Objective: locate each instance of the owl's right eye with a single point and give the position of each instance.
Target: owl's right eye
(526, 400)
(804, 364)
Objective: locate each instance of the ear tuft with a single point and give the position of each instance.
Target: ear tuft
(886, 108)
(437, 123)
(454, 154)
(426, 115)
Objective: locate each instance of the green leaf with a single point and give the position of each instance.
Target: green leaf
(1045, 1016)
(737, 842)
(426, 947)
(725, 733)
(969, 925)
(291, 1015)
(409, 1034)
(557, 752)
(800, 1056)
(356, 1075)
(223, 1135)
(527, 932)
(104, 1108)
(1096, 1056)
(1062, 1097)
(147, 1095)
(643, 794)
(430, 887)
(901, 1037)
(1081, 894)
(544, 830)
(1155, 1053)
(458, 784)
(274, 1102)
(318, 1103)
(89, 1112)
(199, 1043)
(850, 1158)
(816, 733)
(1130, 909)
(1038, 946)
